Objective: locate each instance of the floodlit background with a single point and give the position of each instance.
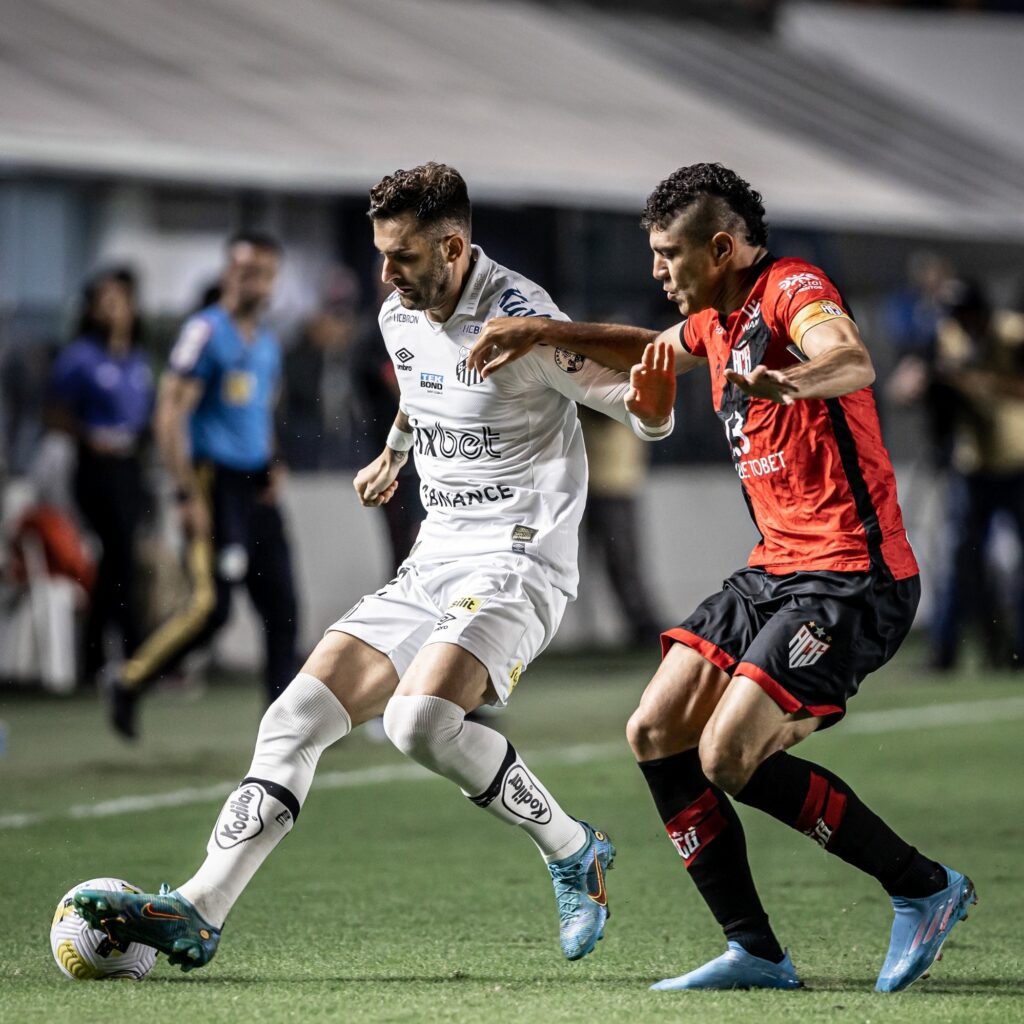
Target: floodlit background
(887, 140)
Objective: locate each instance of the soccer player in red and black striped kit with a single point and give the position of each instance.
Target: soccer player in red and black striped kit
(828, 594)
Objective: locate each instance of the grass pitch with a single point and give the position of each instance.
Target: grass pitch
(396, 900)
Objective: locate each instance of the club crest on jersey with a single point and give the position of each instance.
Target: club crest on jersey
(432, 381)
(808, 645)
(741, 360)
(463, 373)
(570, 362)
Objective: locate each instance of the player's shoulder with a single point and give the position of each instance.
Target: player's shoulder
(509, 293)
(387, 308)
(699, 326)
(791, 275)
(394, 317)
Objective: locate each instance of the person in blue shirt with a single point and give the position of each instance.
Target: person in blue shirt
(214, 429)
(101, 392)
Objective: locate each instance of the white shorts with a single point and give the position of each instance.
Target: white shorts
(503, 610)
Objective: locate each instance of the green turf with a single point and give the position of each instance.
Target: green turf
(400, 901)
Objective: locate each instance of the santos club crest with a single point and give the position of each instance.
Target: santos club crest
(463, 373)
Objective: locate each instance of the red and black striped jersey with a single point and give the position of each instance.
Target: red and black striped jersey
(817, 478)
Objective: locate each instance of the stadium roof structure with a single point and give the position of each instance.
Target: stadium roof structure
(532, 104)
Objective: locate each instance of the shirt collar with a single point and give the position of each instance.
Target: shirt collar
(476, 282)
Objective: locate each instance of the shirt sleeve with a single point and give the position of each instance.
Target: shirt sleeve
(589, 383)
(190, 356)
(690, 340)
(801, 298)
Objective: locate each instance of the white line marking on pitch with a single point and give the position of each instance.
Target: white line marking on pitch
(865, 722)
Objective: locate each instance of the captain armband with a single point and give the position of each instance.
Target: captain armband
(811, 315)
(400, 440)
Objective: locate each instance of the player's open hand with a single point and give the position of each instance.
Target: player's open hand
(764, 383)
(503, 340)
(652, 385)
(376, 483)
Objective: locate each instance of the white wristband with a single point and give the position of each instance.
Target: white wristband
(400, 440)
(652, 435)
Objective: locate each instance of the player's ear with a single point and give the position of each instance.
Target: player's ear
(454, 247)
(723, 248)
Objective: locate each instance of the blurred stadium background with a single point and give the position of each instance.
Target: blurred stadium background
(131, 134)
(886, 138)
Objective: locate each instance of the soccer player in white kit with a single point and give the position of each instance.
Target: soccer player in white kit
(504, 476)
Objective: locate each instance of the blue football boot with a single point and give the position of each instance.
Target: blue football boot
(164, 920)
(581, 894)
(919, 930)
(735, 968)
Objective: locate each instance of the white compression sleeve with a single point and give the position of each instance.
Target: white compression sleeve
(434, 732)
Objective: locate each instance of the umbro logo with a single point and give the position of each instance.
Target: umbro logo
(404, 357)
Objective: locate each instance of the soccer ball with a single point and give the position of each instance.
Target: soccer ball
(85, 953)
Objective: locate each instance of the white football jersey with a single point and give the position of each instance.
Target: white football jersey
(501, 461)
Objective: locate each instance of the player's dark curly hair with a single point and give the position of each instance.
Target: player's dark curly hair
(689, 185)
(434, 193)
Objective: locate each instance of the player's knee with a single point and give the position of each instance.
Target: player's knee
(422, 727)
(305, 715)
(723, 762)
(651, 736)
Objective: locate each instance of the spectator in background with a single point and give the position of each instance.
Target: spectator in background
(618, 469)
(101, 392)
(376, 395)
(980, 357)
(911, 320)
(214, 427)
(317, 423)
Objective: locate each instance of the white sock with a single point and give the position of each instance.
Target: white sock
(303, 722)
(434, 732)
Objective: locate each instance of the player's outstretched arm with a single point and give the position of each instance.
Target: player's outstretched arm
(505, 339)
(376, 483)
(837, 363)
(652, 387)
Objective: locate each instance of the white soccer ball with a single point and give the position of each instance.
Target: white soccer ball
(87, 954)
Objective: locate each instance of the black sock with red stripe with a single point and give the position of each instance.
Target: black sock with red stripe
(819, 804)
(706, 831)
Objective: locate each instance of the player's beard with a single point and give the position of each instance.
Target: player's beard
(431, 290)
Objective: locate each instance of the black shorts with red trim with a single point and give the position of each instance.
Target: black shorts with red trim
(807, 639)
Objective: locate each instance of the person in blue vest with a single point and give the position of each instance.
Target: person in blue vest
(214, 430)
(101, 393)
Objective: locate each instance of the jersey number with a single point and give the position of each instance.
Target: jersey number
(734, 432)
